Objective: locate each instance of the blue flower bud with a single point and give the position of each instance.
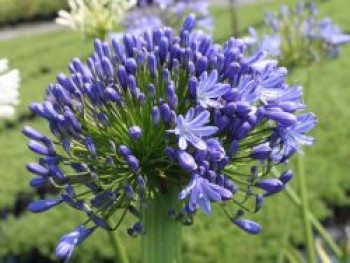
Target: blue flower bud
(106, 50)
(171, 96)
(141, 182)
(138, 228)
(47, 160)
(66, 145)
(185, 39)
(284, 118)
(165, 112)
(56, 172)
(90, 146)
(189, 23)
(152, 65)
(72, 120)
(109, 160)
(249, 226)
(98, 47)
(155, 115)
(99, 221)
(37, 182)
(118, 49)
(122, 77)
(270, 185)
(191, 68)
(133, 163)
(124, 151)
(220, 180)
(151, 90)
(192, 87)
(186, 161)
(163, 48)
(39, 148)
(286, 176)
(259, 199)
(131, 66)
(135, 132)
(33, 134)
(129, 191)
(243, 108)
(108, 68)
(261, 152)
(129, 44)
(201, 65)
(111, 95)
(243, 130)
(37, 169)
(43, 205)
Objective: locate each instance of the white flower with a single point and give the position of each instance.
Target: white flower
(9, 84)
(95, 18)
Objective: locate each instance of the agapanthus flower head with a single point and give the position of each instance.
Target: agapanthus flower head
(94, 18)
(297, 36)
(9, 85)
(157, 112)
(153, 14)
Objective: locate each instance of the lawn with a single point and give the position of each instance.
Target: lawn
(211, 239)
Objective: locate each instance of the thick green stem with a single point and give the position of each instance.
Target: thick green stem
(120, 255)
(317, 225)
(162, 240)
(309, 236)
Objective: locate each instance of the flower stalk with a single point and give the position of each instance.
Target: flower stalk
(309, 237)
(118, 249)
(162, 241)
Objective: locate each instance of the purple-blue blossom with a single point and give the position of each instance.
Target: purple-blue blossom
(192, 128)
(298, 36)
(208, 91)
(201, 193)
(158, 111)
(68, 242)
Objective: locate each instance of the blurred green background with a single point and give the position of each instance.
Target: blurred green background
(25, 236)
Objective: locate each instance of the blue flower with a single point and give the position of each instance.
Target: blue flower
(331, 32)
(271, 44)
(201, 192)
(291, 138)
(68, 242)
(158, 110)
(209, 91)
(192, 128)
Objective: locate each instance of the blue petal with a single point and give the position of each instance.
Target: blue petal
(43, 205)
(249, 226)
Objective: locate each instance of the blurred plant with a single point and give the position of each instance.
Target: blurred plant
(297, 37)
(9, 85)
(152, 14)
(94, 18)
(161, 127)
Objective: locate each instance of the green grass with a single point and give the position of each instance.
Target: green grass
(211, 239)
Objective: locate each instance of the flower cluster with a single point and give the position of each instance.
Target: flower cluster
(9, 85)
(94, 18)
(171, 13)
(296, 35)
(161, 111)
